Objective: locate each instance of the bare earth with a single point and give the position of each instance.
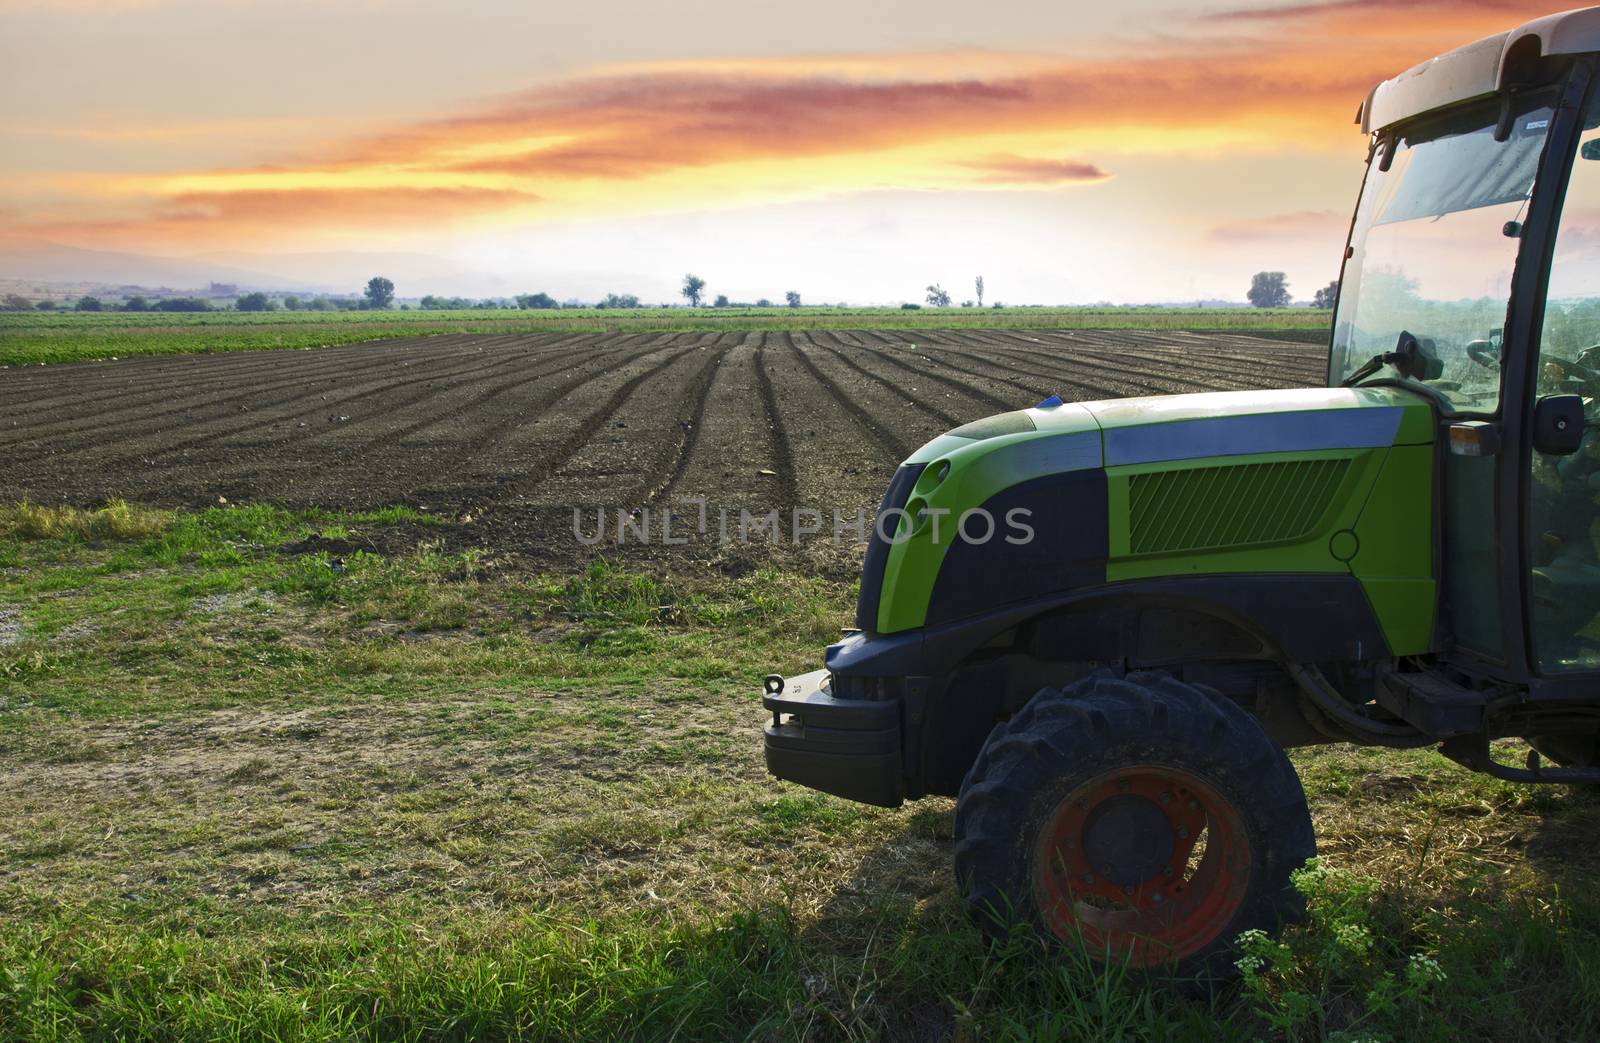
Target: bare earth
(515, 431)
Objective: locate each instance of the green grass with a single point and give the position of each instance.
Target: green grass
(115, 521)
(38, 337)
(256, 787)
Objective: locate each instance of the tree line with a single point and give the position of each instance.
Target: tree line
(1271, 290)
(1267, 290)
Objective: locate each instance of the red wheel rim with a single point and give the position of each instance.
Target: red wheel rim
(1147, 863)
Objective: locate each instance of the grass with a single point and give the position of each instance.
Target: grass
(38, 337)
(115, 521)
(257, 785)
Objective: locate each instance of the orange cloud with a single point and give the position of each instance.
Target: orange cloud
(1386, 8)
(1453, 22)
(222, 218)
(666, 137)
(1021, 170)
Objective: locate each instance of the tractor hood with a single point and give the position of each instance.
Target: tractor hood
(1220, 423)
(1061, 496)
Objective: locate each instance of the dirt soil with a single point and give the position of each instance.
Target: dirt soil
(514, 432)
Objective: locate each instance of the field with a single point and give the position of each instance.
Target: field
(39, 337)
(338, 731)
(515, 431)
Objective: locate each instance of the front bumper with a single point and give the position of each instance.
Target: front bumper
(847, 747)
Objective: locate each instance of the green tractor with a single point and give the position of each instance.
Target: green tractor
(1100, 624)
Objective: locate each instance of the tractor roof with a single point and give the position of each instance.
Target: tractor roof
(1480, 68)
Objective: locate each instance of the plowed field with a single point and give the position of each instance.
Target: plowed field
(517, 430)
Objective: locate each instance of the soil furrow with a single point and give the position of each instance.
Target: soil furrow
(959, 386)
(463, 457)
(949, 419)
(286, 409)
(115, 420)
(777, 429)
(584, 430)
(1153, 379)
(895, 448)
(228, 439)
(192, 373)
(693, 401)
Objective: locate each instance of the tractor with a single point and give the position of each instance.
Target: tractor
(1133, 607)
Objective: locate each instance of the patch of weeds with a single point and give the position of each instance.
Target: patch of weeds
(117, 520)
(253, 771)
(798, 811)
(605, 592)
(1367, 965)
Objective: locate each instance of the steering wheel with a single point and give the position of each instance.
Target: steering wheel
(1484, 353)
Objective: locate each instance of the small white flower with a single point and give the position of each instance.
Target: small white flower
(1423, 969)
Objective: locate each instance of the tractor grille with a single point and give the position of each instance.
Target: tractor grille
(1234, 505)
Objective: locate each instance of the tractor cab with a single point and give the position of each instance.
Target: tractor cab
(1472, 278)
(1165, 593)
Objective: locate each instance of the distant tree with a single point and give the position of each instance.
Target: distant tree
(978, 284)
(257, 301)
(793, 298)
(692, 287)
(379, 292)
(536, 300)
(1327, 296)
(617, 300)
(16, 302)
(136, 303)
(763, 303)
(910, 306)
(183, 304)
(721, 301)
(1269, 290)
(447, 304)
(966, 304)
(938, 297)
(45, 305)
(87, 303)
(291, 302)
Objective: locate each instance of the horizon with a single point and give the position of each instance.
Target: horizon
(1160, 153)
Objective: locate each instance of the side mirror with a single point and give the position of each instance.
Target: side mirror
(1416, 358)
(1558, 424)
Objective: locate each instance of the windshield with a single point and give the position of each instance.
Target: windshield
(1433, 249)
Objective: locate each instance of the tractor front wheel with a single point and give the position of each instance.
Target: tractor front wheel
(1148, 820)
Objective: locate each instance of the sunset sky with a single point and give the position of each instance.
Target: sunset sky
(853, 150)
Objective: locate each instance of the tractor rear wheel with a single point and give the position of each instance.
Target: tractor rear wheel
(1148, 820)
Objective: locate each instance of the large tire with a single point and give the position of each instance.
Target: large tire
(1082, 818)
